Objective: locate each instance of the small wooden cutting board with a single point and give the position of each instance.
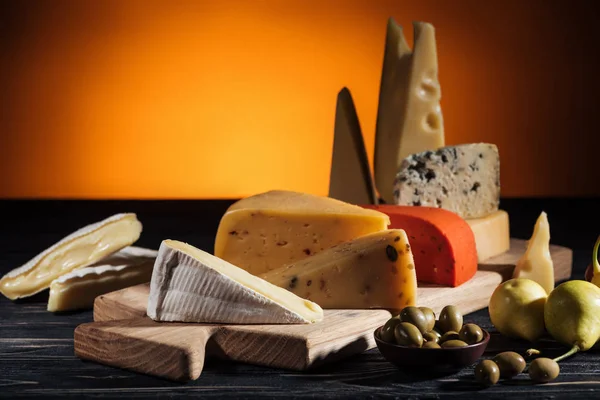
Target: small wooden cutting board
(122, 335)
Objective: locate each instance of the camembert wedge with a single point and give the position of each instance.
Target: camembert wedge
(536, 264)
(83, 247)
(79, 288)
(373, 271)
(190, 285)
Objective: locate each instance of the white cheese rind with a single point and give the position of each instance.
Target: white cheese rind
(78, 289)
(80, 249)
(190, 285)
(464, 179)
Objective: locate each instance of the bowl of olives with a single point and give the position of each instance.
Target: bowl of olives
(415, 341)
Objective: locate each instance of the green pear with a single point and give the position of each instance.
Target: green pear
(517, 309)
(572, 315)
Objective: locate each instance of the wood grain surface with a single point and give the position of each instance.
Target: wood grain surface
(123, 337)
(36, 346)
(143, 345)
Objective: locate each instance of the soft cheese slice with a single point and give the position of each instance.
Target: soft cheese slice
(373, 271)
(464, 179)
(79, 288)
(272, 229)
(409, 116)
(536, 264)
(190, 285)
(80, 249)
(492, 234)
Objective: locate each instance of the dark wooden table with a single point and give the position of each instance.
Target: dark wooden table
(36, 347)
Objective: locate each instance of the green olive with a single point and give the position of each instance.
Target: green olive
(453, 343)
(387, 332)
(436, 333)
(408, 335)
(451, 319)
(471, 333)
(431, 337)
(510, 363)
(543, 370)
(450, 335)
(431, 345)
(429, 316)
(414, 316)
(487, 373)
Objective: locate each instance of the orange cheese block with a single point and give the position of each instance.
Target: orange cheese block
(373, 271)
(272, 229)
(442, 243)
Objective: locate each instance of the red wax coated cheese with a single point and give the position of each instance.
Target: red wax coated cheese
(442, 243)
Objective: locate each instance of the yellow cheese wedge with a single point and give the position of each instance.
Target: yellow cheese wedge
(373, 271)
(409, 116)
(269, 230)
(492, 234)
(84, 247)
(78, 289)
(536, 264)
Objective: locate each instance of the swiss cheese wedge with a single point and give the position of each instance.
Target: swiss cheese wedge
(84, 247)
(267, 231)
(409, 116)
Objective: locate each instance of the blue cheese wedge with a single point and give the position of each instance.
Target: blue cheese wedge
(82, 248)
(464, 179)
(78, 289)
(190, 285)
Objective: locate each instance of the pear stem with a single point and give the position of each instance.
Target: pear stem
(595, 258)
(531, 352)
(569, 353)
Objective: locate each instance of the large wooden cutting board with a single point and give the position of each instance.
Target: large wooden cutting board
(123, 336)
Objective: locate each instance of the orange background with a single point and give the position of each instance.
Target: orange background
(214, 99)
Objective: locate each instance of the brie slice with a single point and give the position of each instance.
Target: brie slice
(80, 249)
(79, 288)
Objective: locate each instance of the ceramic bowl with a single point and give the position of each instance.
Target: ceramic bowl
(425, 360)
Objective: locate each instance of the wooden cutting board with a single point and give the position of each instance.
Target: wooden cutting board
(122, 335)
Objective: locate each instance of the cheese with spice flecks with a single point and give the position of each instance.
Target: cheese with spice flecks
(464, 179)
(372, 271)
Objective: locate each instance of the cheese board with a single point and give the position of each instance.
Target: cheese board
(122, 336)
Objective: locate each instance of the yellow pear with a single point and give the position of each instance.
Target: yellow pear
(517, 309)
(572, 314)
